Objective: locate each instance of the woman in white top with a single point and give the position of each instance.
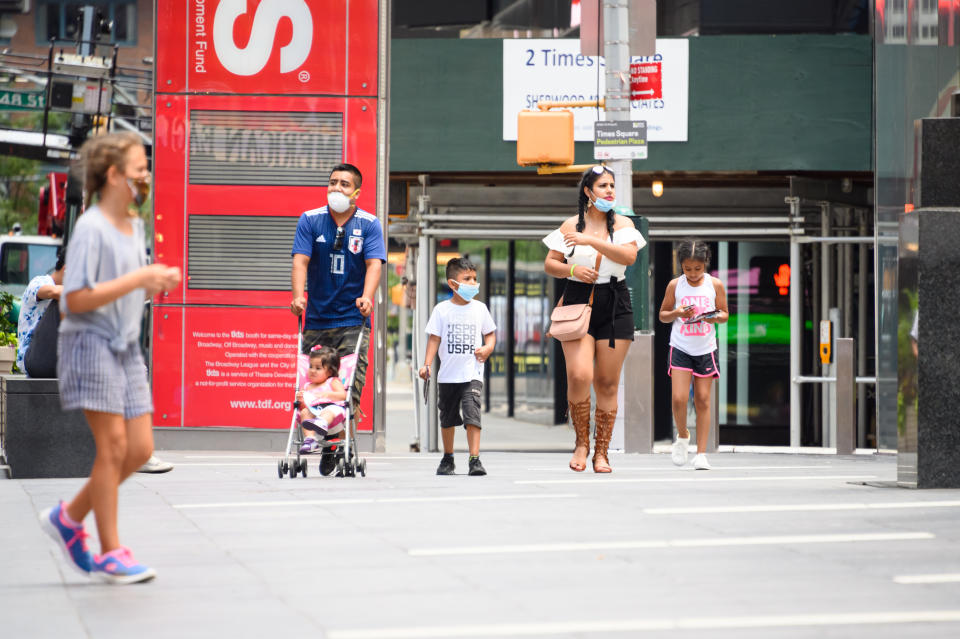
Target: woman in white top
(693, 344)
(597, 357)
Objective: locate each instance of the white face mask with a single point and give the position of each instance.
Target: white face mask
(337, 201)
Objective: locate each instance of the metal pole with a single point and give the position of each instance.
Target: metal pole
(713, 436)
(433, 417)
(846, 395)
(510, 341)
(847, 278)
(825, 314)
(420, 317)
(638, 403)
(862, 333)
(383, 203)
(796, 327)
(426, 276)
(616, 54)
(487, 280)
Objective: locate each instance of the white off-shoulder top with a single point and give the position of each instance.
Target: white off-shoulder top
(587, 255)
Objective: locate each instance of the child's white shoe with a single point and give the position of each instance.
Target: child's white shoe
(678, 452)
(700, 462)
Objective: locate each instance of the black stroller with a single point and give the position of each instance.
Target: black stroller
(338, 453)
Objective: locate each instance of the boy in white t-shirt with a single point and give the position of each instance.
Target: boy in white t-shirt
(456, 329)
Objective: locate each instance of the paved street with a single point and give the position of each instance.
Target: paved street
(764, 545)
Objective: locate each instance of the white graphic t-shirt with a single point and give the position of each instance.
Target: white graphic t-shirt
(461, 328)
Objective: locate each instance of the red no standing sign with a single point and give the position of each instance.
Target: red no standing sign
(646, 81)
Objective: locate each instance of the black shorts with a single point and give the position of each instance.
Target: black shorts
(699, 365)
(612, 315)
(455, 399)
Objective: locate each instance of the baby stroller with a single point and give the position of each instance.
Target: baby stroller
(338, 451)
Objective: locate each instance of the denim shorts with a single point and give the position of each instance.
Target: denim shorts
(92, 377)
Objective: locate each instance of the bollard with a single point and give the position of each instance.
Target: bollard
(638, 398)
(713, 437)
(846, 394)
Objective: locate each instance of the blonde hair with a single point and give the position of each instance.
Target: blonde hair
(99, 154)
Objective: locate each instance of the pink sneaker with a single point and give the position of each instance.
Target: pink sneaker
(119, 567)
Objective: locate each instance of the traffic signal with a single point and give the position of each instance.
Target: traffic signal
(545, 137)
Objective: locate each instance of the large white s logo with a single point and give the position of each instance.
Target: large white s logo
(253, 58)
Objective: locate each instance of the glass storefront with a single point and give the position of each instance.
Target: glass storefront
(533, 369)
(754, 345)
(916, 75)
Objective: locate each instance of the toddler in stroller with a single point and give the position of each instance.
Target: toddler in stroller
(323, 420)
(322, 399)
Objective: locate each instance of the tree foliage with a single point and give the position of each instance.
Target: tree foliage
(20, 182)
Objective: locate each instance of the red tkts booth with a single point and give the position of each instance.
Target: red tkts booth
(256, 100)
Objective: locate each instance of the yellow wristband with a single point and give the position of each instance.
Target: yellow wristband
(572, 266)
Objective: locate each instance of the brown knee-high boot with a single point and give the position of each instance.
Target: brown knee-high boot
(580, 416)
(604, 420)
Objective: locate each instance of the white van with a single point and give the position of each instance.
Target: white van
(23, 257)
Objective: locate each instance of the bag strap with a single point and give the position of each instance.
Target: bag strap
(596, 267)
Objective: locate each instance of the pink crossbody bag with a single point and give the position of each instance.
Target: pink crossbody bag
(571, 322)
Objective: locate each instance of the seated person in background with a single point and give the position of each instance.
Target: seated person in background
(36, 298)
(40, 292)
(322, 398)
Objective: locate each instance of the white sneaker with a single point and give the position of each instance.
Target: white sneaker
(700, 462)
(678, 452)
(155, 465)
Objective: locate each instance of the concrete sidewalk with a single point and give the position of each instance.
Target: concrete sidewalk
(761, 546)
(500, 433)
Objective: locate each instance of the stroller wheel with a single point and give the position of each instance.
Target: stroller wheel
(303, 468)
(363, 467)
(280, 469)
(340, 468)
(293, 470)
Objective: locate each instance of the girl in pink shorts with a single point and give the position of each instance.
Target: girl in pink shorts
(693, 344)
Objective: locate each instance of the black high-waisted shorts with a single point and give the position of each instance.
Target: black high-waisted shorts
(612, 316)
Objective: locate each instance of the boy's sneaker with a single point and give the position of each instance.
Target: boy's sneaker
(119, 567)
(72, 541)
(700, 462)
(446, 466)
(310, 445)
(678, 452)
(476, 468)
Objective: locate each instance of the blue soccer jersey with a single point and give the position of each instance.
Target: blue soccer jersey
(335, 277)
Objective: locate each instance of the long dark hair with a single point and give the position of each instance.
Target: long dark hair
(587, 180)
(691, 249)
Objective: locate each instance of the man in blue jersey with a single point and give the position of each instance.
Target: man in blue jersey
(338, 253)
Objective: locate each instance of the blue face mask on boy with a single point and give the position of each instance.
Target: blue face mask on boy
(467, 291)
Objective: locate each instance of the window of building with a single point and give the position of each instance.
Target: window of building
(61, 19)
